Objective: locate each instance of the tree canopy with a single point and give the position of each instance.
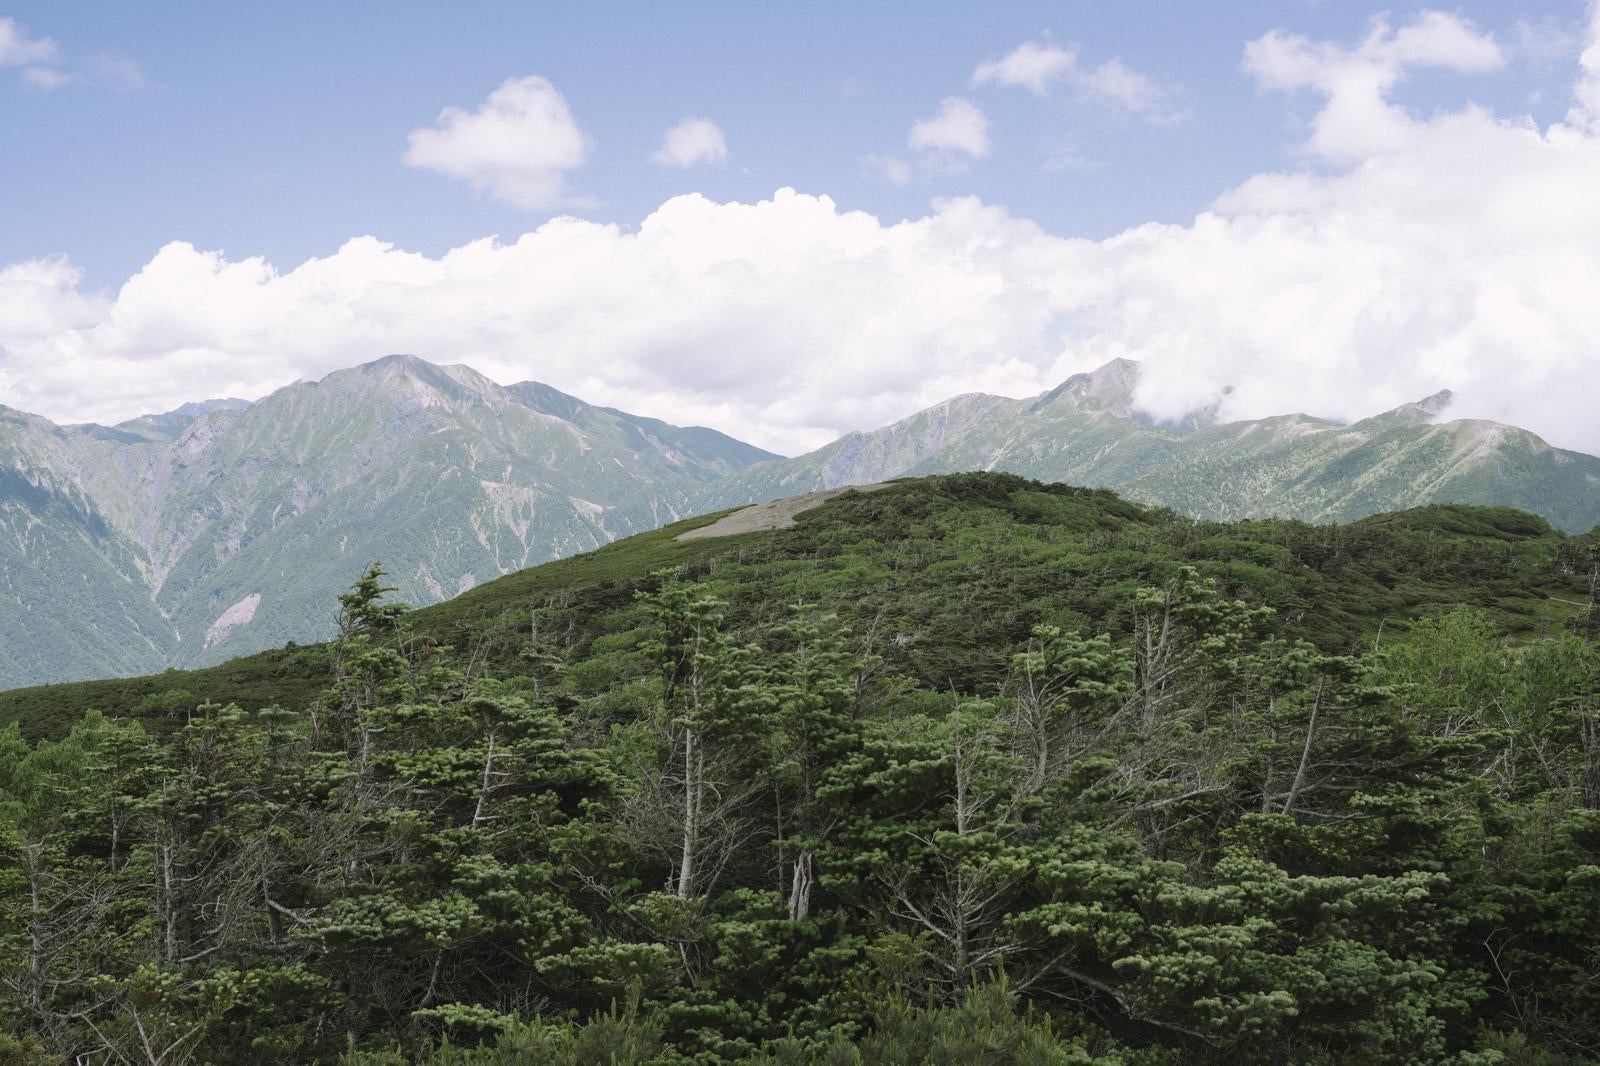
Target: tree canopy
(970, 770)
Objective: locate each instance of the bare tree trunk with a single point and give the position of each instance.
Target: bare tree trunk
(693, 765)
(35, 942)
(483, 788)
(165, 900)
(1266, 772)
(1591, 762)
(1305, 753)
(800, 888)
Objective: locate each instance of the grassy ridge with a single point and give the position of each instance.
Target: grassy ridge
(952, 568)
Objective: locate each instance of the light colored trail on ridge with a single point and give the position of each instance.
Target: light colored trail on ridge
(779, 514)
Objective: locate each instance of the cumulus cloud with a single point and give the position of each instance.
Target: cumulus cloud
(1462, 257)
(1358, 117)
(692, 141)
(957, 127)
(517, 146)
(1037, 65)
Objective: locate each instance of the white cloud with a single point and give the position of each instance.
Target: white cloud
(1462, 257)
(692, 141)
(518, 146)
(1031, 65)
(1358, 118)
(959, 126)
(18, 49)
(1036, 66)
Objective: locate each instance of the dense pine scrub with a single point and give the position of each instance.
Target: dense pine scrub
(970, 769)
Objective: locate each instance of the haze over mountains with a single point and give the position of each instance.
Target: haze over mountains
(226, 527)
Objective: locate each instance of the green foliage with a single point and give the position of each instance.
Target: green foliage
(966, 770)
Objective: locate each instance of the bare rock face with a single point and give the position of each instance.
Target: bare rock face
(238, 615)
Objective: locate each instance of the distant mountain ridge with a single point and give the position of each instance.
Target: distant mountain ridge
(1088, 431)
(218, 528)
(221, 527)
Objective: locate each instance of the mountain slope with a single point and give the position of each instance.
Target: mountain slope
(1087, 431)
(216, 529)
(954, 566)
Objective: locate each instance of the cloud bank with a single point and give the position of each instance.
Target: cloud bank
(1462, 254)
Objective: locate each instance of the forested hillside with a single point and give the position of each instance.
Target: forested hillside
(968, 769)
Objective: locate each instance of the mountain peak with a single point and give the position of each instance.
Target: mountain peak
(396, 363)
(1418, 412)
(453, 383)
(1109, 387)
(1115, 382)
(1433, 406)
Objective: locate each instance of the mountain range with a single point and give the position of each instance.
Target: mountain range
(220, 528)
(217, 529)
(1088, 431)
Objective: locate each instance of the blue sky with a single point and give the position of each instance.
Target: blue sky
(1330, 207)
(277, 129)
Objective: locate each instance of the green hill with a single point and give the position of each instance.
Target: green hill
(856, 560)
(967, 768)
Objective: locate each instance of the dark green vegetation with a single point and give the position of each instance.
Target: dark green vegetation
(971, 769)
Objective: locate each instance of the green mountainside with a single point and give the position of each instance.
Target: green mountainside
(966, 769)
(1086, 431)
(215, 530)
(1056, 549)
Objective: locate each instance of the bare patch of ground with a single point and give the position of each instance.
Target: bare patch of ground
(779, 514)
